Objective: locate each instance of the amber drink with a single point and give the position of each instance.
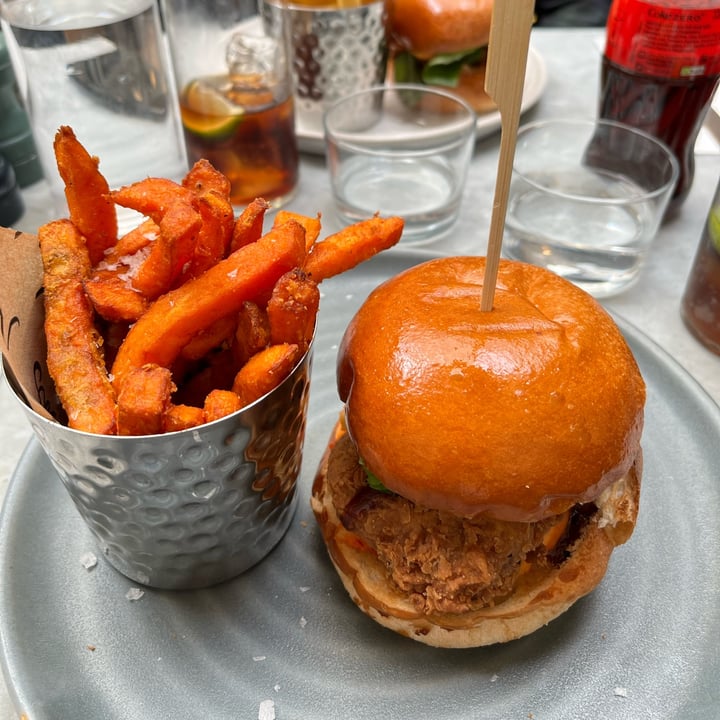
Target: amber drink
(246, 133)
(235, 95)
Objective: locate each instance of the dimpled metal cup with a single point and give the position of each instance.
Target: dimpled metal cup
(191, 508)
(335, 50)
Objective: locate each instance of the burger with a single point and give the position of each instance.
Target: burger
(486, 463)
(442, 44)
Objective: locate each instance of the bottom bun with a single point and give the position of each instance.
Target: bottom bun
(540, 596)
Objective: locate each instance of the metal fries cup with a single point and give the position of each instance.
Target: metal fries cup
(193, 508)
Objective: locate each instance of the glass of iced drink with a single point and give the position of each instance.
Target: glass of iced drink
(235, 94)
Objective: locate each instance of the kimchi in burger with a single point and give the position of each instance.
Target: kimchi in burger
(442, 44)
(487, 463)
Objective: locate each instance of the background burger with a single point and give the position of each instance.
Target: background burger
(441, 43)
(488, 462)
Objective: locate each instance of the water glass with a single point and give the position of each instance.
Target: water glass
(586, 200)
(400, 150)
(235, 93)
(101, 67)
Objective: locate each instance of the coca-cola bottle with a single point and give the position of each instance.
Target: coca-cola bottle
(659, 71)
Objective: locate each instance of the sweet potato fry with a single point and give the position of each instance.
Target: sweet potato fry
(174, 318)
(182, 417)
(74, 346)
(130, 244)
(249, 226)
(265, 371)
(351, 246)
(86, 191)
(152, 196)
(203, 177)
(173, 248)
(252, 333)
(292, 309)
(220, 403)
(113, 335)
(216, 370)
(114, 298)
(312, 225)
(215, 233)
(209, 338)
(144, 400)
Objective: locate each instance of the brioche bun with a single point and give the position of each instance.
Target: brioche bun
(528, 416)
(426, 28)
(518, 413)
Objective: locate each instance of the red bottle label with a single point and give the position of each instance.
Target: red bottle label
(665, 38)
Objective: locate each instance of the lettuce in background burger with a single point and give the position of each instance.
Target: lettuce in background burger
(443, 44)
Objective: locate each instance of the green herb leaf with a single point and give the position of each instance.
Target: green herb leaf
(445, 69)
(407, 69)
(373, 481)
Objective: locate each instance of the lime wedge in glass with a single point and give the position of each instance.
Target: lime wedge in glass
(207, 112)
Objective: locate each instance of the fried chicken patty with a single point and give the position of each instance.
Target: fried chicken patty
(445, 563)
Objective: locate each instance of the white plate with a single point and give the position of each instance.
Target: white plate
(643, 645)
(310, 136)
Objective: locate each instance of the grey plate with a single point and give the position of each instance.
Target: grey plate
(643, 645)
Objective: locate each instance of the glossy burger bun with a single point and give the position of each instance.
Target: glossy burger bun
(541, 596)
(426, 28)
(519, 413)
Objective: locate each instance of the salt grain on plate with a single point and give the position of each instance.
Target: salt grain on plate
(303, 622)
(494, 678)
(620, 692)
(259, 658)
(267, 710)
(304, 588)
(134, 594)
(88, 560)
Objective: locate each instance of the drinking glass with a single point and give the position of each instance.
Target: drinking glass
(235, 92)
(400, 150)
(586, 200)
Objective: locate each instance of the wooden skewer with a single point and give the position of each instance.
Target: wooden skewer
(504, 82)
